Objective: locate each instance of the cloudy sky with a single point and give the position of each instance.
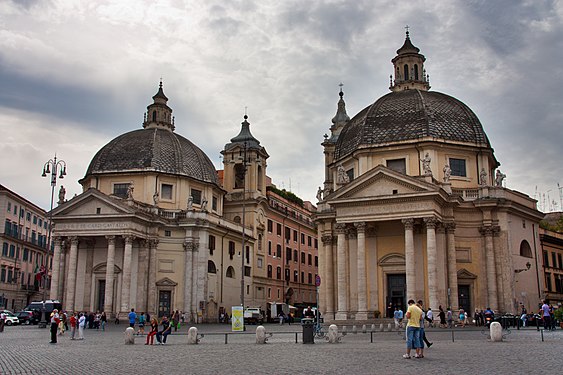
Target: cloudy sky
(75, 74)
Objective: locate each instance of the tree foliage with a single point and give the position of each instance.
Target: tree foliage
(287, 195)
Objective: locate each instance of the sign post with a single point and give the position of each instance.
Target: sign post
(237, 319)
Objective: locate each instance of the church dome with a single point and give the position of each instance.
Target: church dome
(411, 115)
(155, 148)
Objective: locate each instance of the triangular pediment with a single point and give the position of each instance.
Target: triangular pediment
(383, 182)
(166, 282)
(93, 202)
(465, 274)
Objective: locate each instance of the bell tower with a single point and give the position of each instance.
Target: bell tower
(159, 114)
(409, 68)
(244, 165)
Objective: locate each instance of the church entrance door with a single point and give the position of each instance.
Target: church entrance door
(164, 297)
(396, 291)
(101, 295)
(464, 299)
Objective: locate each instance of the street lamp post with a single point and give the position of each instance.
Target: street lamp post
(54, 167)
(243, 228)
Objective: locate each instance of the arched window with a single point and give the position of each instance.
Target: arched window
(270, 271)
(211, 267)
(239, 176)
(278, 273)
(259, 178)
(406, 71)
(154, 116)
(525, 249)
(416, 72)
(230, 272)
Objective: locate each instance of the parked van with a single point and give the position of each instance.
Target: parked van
(50, 305)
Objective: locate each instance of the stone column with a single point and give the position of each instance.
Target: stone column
(491, 271)
(87, 305)
(151, 305)
(374, 273)
(54, 293)
(143, 273)
(342, 309)
(188, 277)
(499, 256)
(110, 271)
(126, 280)
(362, 313)
(452, 266)
(328, 282)
(62, 267)
(409, 258)
(71, 286)
(195, 279)
(431, 264)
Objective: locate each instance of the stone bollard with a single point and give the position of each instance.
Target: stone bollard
(373, 327)
(343, 329)
(333, 334)
(364, 329)
(381, 327)
(389, 327)
(130, 336)
(354, 329)
(260, 335)
(496, 332)
(192, 336)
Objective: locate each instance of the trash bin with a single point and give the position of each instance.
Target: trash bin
(308, 330)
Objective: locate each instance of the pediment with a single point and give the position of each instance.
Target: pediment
(393, 259)
(92, 202)
(102, 267)
(166, 282)
(383, 182)
(465, 274)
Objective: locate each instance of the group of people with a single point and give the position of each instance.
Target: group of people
(161, 335)
(61, 322)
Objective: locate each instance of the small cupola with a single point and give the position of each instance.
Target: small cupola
(340, 119)
(158, 114)
(409, 68)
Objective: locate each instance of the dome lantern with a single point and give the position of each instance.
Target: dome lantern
(409, 68)
(159, 114)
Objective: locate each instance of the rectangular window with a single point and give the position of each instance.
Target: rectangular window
(25, 254)
(196, 195)
(548, 282)
(8, 227)
(247, 271)
(303, 258)
(9, 275)
(28, 216)
(545, 259)
(5, 249)
(310, 278)
(560, 261)
(167, 233)
(294, 236)
(166, 191)
(34, 219)
(288, 254)
(22, 213)
(278, 229)
(9, 206)
(259, 262)
(309, 243)
(458, 167)
(211, 244)
(310, 259)
(295, 276)
(3, 275)
(214, 204)
(302, 277)
(231, 249)
(269, 247)
(350, 173)
(12, 251)
(15, 209)
(40, 222)
(302, 239)
(247, 254)
(278, 251)
(316, 243)
(287, 234)
(554, 260)
(295, 256)
(270, 292)
(270, 226)
(120, 190)
(398, 165)
(316, 261)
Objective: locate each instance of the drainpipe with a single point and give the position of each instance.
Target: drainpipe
(536, 255)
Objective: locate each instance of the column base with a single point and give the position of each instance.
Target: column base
(341, 315)
(362, 315)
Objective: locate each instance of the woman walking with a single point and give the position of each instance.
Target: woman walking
(442, 316)
(104, 320)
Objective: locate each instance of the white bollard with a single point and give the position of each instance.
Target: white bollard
(130, 336)
(389, 327)
(496, 332)
(364, 329)
(354, 329)
(343, 329)
(381, 327)
(333, 334)
(260, 335)
(192, 336)
(373, 327)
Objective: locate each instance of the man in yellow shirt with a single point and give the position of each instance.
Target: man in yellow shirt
(413, 330)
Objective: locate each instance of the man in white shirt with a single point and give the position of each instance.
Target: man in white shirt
(430, 317)
(55, 320)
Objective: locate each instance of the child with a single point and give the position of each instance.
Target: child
(141, 330)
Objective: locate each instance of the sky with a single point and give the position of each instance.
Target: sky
(76, 74)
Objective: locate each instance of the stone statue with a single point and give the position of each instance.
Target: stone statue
(319, 194)
(447, 173)
(204, 203)
(483, 177)
(426, 165)
(499, 178)
(342, 177)
(62, 193)
(190, 203)
(130, 189)
(155, 198)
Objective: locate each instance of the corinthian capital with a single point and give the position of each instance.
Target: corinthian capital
(430, 222)
(340, 228)
(360, 226)
(408, 223)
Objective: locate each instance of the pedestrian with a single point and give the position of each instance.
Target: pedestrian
(552, 317)
(132, 318)
(450, 318)
(2, 320)
(396, 318)
(97, 320)
(55, 320)
(81, 326)
(422, 330)
(544, 312)
(73, 322)
(414, 314)
(141, 330)
(166, 330)
(462, 318)
(442, 316)
(281, 315)
(62, 317)
(430, 317)
(104, 320)
(153, 331)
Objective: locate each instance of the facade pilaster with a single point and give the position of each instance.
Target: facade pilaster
(71, 286)
(62, 269)
(55, 275)
(126, 280)
(362, 313)
(151, 305)
(188, 278)
(110, 272)
(452, 265)
(492, 300)
(342, 309)
(143, 261)
(195, 279)
(431, 264)
(327, 283)
(409, 257)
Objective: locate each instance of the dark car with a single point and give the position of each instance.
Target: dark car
(49, 305)
(29, 317)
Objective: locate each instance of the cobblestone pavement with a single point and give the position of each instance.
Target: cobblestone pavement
(26, 350)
